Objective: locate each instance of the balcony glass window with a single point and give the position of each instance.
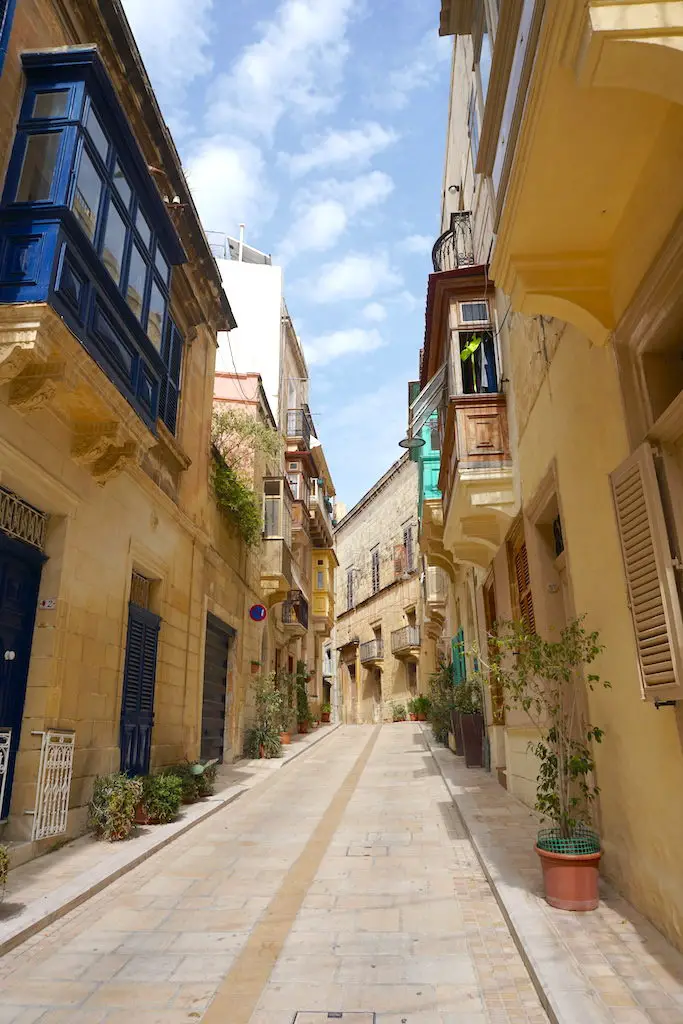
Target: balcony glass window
(485, 63)
(478, 362)
(114, 242)
(320, 580)
(143, 227)
(137, 276)
(277, 510)
(51, 104)
(86, 200)
(161, 265)
(157, 310)
(38, 168)
(121, 185)
(96, 133)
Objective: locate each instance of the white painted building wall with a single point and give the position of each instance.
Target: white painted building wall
(255, 293)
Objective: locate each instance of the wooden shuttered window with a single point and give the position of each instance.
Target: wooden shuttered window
(650, 575)
(524, 601)
(399, 560)
(497, 695)
(139, 677)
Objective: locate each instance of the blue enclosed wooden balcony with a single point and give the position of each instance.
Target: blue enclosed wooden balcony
(87, 247)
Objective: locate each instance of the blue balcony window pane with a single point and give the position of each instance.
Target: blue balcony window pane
(38, 167)
(143, 227)
(121, 185)
(161, 265)
(137, 276)
(86, 199)
(155, 322)
(118, 348)
(51, 104)
(114, 242)
(70, 285)
(96, 133)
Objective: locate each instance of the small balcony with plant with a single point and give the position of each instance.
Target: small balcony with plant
(372, 652)
(405, 643)
(295, 614)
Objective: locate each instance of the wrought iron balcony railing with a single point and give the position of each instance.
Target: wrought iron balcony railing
(454, 248)
(295, 611)
(373, 650)
(405, 638)
(299, 426)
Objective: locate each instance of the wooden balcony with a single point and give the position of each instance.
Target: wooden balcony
(372, 652)
(295, 614)
(405, 643)
(322, 530)
(301, 522)
(276, 569)
(476, 477)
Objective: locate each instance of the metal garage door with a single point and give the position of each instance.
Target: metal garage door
(219, 637)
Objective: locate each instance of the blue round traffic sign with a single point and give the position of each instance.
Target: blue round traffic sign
(257, 612)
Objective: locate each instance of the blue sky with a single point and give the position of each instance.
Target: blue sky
(320, 124)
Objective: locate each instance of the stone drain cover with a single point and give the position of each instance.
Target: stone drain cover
(327, 1017)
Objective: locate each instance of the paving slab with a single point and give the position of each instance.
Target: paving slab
(49, 887)
(610, 966)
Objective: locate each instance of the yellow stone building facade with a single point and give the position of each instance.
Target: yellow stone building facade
(124, 627)
(564, 168)
(380, 638)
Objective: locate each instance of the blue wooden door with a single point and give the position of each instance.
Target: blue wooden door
(20, 568)
(137, 702)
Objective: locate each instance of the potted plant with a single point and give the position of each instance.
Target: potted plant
(542, 678)
(263, 742)
(398, 713)
(285, 725)
(412, 713)
(111, 813)
(325, 712)
(197, 778)
(160, 800)
(441, 693)
(467, 704)
(421, 707)
(4, 869)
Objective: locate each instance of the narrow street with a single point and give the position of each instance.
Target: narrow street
(345, 882)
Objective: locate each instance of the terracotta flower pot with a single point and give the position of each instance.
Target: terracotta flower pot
(421, 717)
(324, 716)
(285, 738)
(570, 880)
(303, 728)
(261, 751)
(143, 818)
(413, 716)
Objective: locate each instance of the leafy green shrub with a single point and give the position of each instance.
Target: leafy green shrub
(303, 710)
(467, 696)
(4, 869)
(197, 778)
(398, 713)
(326, 709)
(236, 499)
(111, 813)
(206, 779)
(161, 797)
(421, 705)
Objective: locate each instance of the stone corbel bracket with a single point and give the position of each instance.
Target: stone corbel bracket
(22, 347)
(105, 449)
(630, 45)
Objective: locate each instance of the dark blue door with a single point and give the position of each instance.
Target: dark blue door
(20, 568)
(137, 703)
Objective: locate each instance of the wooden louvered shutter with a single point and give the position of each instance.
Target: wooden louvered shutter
(137, 703)
(399, 560)
(525, 601)
(648, 565)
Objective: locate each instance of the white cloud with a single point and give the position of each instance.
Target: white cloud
(323, 212)
(424, 69)
(356, 146)
(174, 38)
(227, 181)
(420, 244)
(355, 276)
(327, 347)
(294, 66)
(375, 311)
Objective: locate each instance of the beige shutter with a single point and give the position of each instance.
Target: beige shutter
(399, 560)
(652, 592)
